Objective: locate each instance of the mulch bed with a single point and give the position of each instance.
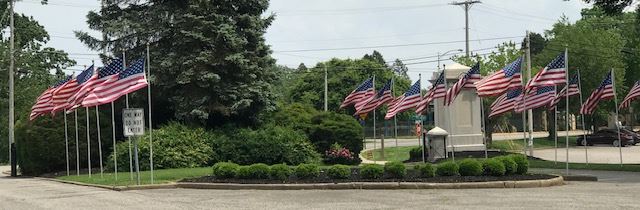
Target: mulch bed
(412, 176)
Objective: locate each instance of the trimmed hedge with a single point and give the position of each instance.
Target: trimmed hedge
(339, 172)
(522, 162)
(395, 169)
(280, 171)
(371, 171)
(225, 170)
(510, 166)
(307, 171)
(493, 167)
(470, 167)
(426, 170)
(447, 169)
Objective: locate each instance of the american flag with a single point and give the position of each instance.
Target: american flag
(573, 90)
(86, 81)
(409, 100)
(107, 73)
(43, 102)
(127, 81)
(505, 79)
(553, 74)
(603, 92)
(632, 95)
(466, 81)
(505, 102)
(437, 91)
(382, 97)
(542, 97)
(61, 95)
(362, 93)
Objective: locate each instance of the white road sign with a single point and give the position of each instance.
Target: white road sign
(133, 121)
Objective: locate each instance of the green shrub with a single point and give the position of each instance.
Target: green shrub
(510, 166)
(225, 170)
(339, 172)
(280, 171)
(307, 171)
(260, 171)
(244, 172)
(426, 170)
(470, 167)
(395, 169)
(493, 167)
(447, 169)
(415, 153)
(328, 128)
(522, 163)
(174, 146)
(371, 171)
(269, 144)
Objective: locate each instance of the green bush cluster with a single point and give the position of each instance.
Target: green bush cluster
(470, 167)
(493, 167)
(522, 162)
(371, 171)
(510, 165)
(225, 170)
(395, 169)
(426, 170)
(307, 171)
(447, 169)
(339, 172)
(280, 171)
(415, 153)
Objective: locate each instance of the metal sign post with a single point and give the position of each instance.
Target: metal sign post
(133, 122)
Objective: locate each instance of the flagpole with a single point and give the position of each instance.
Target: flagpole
(88, 142)
(615, 100)
(113, 130)
(75, 112)
(124, 66)
(555, 126)
(99, 141)
(448, 111)
(530, 111)
(375, 138)
(566, 114)
(66, 139)
(395, 122)
(484, 129)
(584, 128)
(420, 141)
(150, 122)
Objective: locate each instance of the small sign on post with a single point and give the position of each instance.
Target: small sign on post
(133, 121)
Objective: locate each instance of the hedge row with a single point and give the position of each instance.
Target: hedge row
(498, 166)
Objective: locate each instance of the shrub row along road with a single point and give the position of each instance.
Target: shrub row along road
(33, 193)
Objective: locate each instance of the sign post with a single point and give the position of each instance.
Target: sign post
(133, 122)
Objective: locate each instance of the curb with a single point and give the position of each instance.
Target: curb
(116, 188)
(557, 181)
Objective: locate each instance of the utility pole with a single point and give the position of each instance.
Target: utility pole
(12, 143)
(466, 5)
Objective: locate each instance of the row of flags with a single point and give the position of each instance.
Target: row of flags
(506, 83)
(92, 87)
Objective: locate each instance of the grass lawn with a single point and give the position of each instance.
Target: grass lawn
(160, 176)
(538, 143)
(392, 154)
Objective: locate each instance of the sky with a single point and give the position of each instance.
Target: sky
(312, 31)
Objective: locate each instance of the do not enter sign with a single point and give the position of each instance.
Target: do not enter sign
(133, 122)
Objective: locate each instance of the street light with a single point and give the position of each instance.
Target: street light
(443, 54)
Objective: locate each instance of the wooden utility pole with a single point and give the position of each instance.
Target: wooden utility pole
(466, 5)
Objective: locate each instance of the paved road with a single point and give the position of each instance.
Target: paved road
(29, 193)
(596, 154)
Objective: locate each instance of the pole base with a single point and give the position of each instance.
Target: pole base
(14, 161)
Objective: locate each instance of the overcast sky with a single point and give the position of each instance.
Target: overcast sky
(310, 31)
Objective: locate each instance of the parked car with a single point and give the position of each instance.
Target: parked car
(636, 136)
(606, 136)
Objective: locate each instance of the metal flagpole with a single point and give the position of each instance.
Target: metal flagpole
(124, 66)
(484, 129)
(395, 121)
(448, 111)
(66, 139)
(555, 126)
(113, 130)
(375, 138)
(75, 112)
(150, 124)
(566, 114)
(421, 125)
(615, 100)
(530, 111)
(99, 141)
(88, 142)
(584, 128)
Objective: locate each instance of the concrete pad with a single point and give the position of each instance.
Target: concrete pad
(596, 154)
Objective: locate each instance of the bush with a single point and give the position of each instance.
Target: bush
(426, 170)
(174, 146)
(307, 171)
(395, 169)
(371, 171)
(415, 153)
(340, 155)
(447, 169)
(510, 166)
(243, 172)
(470, 167)
(269, 145)
(339, 172)
(522, 163)
(493, 167)
(225, 170)
(280, 171)
(259, 171)
(328, 128)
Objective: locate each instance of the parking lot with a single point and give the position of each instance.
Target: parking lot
(596, 154)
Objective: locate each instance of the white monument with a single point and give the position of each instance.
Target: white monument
(462, 119)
